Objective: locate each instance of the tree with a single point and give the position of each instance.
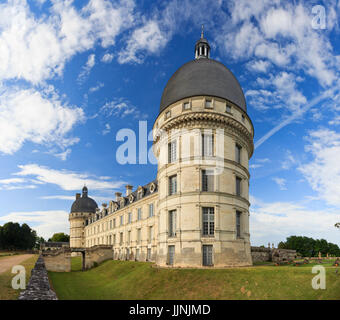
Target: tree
(60, 237)
(309, 247)
(16, 237)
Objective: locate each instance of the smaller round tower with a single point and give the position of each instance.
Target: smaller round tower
(81, 208)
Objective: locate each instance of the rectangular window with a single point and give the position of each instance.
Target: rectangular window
(186, 106)
(208, 103)
(208, 180)
(172, 151)
(148, 257)
(130, 217)
(173, 185)
(208, 221)
(172, 223)
(150, 235)
(151, 210)
(121, 238)
(207, 255)
(238, 149)
(139, 235)
(238, 186)
(243, 118)
(168, 115)
(114, 239)
(171, 255)
(121, 220)
(207, 145)
(139, 214)
(114, 223)
(228, 109)
(238, 224)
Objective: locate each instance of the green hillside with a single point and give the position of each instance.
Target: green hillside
(142, 280)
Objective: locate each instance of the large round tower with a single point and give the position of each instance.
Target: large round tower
(81, 208)
(203, 140)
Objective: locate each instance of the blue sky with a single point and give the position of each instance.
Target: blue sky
(74, 73)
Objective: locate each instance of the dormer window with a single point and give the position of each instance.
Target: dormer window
(243, 118)
(140, 193)
(131, 198)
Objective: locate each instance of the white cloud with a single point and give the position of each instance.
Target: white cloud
(107, 57)
(259, 65)
(91, 61)
(273, 222)
(280, 182)
(119, 108)
(66, 180)
(36, 49)
(46, 223)
(63, 155)
(147, 38)
(323, 172)
(16, 183)
(21, 119)
(97, 87)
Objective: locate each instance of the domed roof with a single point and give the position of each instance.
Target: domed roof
(203, 77)
(84, 203)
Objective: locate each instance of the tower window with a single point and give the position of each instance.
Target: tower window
(238, 186)
(207, 180)
(171, 255)
(172, 223)
(208, 221)
(207, 255)
(138, 236)
(172, 185)
(168, 115)
(243, 118)
(186, 106)
(208, 104)
(207, 144)
(228, 109)
(172, 154)
(238, 224)
(238, 149)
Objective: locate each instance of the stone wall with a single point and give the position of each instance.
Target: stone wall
(97, 254)
(38, 287)
(260, 254)
(57, 260)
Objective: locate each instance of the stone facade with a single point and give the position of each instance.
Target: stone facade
(196, 212)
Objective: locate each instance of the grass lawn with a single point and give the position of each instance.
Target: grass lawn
(139, 280)
(6, 291)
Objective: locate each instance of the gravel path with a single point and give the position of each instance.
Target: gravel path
(7, 263)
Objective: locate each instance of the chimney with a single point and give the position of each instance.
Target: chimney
(118, 195)
(77, 196)
(128, 188)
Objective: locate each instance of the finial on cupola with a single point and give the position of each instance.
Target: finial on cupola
(202, 47)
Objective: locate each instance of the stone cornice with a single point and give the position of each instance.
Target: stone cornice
(193, 120)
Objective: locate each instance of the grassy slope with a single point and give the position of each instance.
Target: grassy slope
(6, 291)
(139, 280)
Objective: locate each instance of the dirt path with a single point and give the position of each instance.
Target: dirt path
(7, 262)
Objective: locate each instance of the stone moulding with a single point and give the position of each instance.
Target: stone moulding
(199, 119)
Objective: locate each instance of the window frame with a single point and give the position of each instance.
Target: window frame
(170, 189)
(208, 221)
